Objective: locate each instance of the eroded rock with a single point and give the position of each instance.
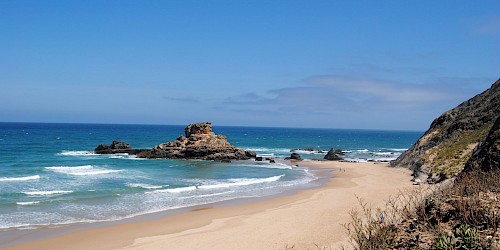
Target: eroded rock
(199, 142)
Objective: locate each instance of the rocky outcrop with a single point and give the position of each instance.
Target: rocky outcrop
(308, 149)
(333, 155)
(117, 147)
(199, 142)
(294, 156)
(448, 144)
(486, 155)
(250, 154)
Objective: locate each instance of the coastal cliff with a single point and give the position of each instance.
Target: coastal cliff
(486, 156)
(449, 143)
(199, 142)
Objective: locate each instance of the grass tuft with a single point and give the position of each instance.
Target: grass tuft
(457, 214)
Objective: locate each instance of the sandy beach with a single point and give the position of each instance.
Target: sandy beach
(307, 219)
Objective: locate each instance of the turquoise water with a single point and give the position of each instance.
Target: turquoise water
(50, 176)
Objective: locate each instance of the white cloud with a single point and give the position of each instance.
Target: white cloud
(381, 91)
(332, 92)
(348, 102)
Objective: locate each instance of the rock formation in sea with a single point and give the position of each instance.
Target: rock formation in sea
(199, 142)
(333, 155)
(294, 156)
(448, 144)
(117, 147)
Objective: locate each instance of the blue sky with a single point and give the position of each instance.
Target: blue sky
(330, 64)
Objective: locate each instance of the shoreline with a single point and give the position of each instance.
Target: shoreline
(18, 236)
(239, 223)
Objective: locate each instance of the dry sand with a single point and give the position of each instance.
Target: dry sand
(308, 219)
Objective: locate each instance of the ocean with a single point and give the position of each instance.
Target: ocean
(49, 175)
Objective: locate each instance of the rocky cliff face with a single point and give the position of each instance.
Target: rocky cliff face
(486, 155)
(448, 144)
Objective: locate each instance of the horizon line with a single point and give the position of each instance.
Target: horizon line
(248, 126)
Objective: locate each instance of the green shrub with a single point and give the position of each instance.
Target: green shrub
(445, 242)
(467, 237)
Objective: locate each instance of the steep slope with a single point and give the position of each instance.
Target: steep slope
(448, 144)
(486, 155)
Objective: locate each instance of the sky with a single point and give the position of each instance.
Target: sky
(391, 65)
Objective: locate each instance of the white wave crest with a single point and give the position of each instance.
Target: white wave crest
(273, 165)
(24, 178)
(27, 203)
(269, 150)
(82, 170)
(362, 150)
(146, 186)
(242, 182)
(383, 153)
(266, 155)
(175, 190)
(229, 183)
(43, 193)
(398, 149)
(77, 153)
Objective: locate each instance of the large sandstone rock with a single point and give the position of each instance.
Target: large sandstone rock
(199, 142)
(202, 128)
(448, 144)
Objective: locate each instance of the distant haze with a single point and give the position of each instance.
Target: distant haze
(329, 64)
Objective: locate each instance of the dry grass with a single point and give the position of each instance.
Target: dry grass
(459, 214)
(449, 157)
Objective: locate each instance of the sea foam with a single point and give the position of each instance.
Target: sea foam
(273, 165)
(27, 203)
(24, 178)
(82, 170)
(146, 186)
(242, 182)
(43, 193)
(230, 183)
(77, 153)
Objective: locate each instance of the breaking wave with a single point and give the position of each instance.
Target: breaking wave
(229, 183)
(44, 193)
(27, 203)
(24, 178)
(146, 186)
(77, 153)
(82, 170)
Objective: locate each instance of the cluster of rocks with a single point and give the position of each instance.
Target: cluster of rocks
(334, 155)
(308, 149)
(260, 158)
(116, 147)
(331, 155)
(199, 142)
